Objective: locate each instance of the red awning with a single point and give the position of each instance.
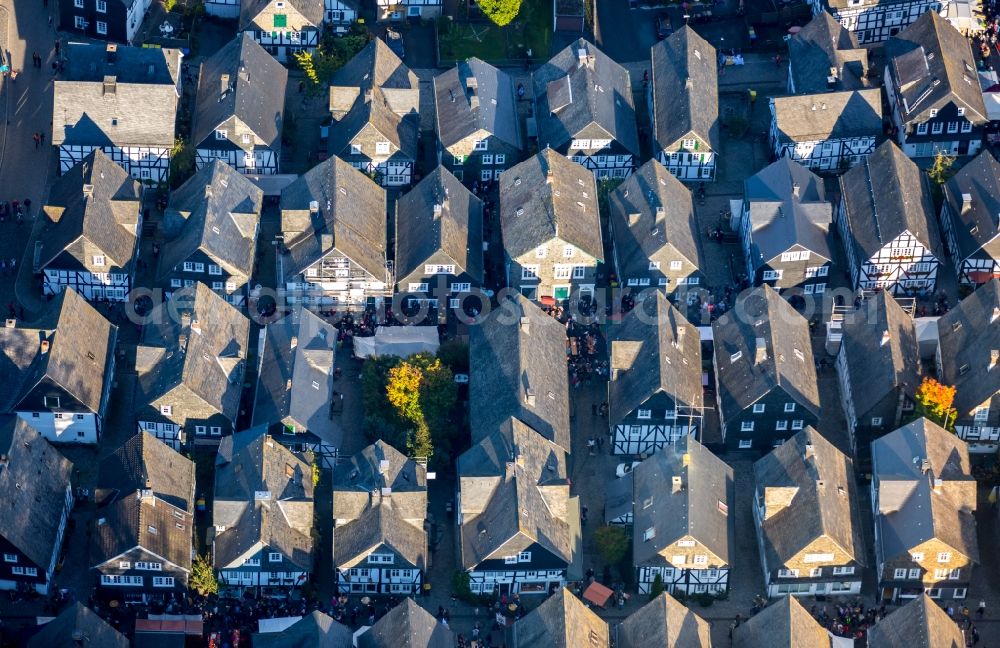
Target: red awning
(597, 594)
(548, 301)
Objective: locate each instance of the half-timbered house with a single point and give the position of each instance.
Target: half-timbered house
(921, 622)
(924, 500)
(262, 514)
(683, 98)
(239, 108)
(933, 88)
(655, 236)
(397, 10)
(107, 20)
(825, 56)
(664, 621)
(122, 100)
(827, 132)
(478, 128)
(379, 513)
(970, 219)
(562, 621)
(226, 9)
(806, 515)
(783, 624)
(519, 529)
(874, 21)
(682, 526)
(340, 14)
(585, 111)
(283, 27)
(655, 395)
(886, 223)
(57, 372)
(968, 357)
(211, 225)
(764, 371)
(785, 228)
(89, 231)
(333, 250)
(190, 368)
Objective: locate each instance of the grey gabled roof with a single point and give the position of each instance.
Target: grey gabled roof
(789, 360)
(146, 463)
(654, 351)
(652, 188)
(106, 215)
(556, 198)
(685, 86)
(663, 622)
(351, 210)
(562, 621)
(439, 215)
(254, 94)
(878, 364)
(917, 505)
(691, 511)
(140, 108)
(919, 623)
(374, 66)
(315, 629)
(980, 223)
(60, 631)
(783, 624)
(781, 217)
(311, 10)
(831, 115)
(34, 477)
(823, 44)
(886, 195)
(407, 626)
(518, 356)
(381, 525)
(474, 96)
(264, 526)
(295, 381)
(932, 64)
(373, 109)
(80, 342)
(967, 334)
(217, 211)
(358, 482)
(595, 91)
(829, 511)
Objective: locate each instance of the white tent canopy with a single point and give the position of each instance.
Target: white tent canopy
(402, 341)
(279, 624)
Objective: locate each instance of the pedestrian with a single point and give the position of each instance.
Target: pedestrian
(981, 610)
(37, 139)
(13, 262)
(58, 44)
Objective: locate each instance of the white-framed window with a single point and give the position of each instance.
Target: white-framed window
(644, 413)
(954, 574)
(899, 573)
(430, 269)
(115, 579)
(917, 556)
(356, 149)
(798, 424)
(188, 266)
(246, 138)
(510, 560)
(199, 267)
(485, 175)
(600, 143)
(670, 414)
(981, 414)
(876, 420)
(480, 145)
(78, 4)
(251, 562)
(781, 425)
(561, 271)
(221, 134)
(922, 129)
(381, 559)
(24, 571)
(166, 410)
(524, 556)
(789, 407)
(456, 288)
(788, 573)
(953, 127)
(961, 111)
(580, 144)
(820, 288)
(700, 559)
(940, 574)
(540, 252)
(274, 556)
(417, 287)
(688, 144)
(500, 158)
(648, 534)
(654, 265)
(933, 112)
(213, 269)
(815, 572)
(102, 6)
(215, 430)
(487, 159)
(843, 571)
(51, 402)
(529, 272)
(9, 557)
(200, 429)
(966, 127)
(148, 566)
(746, 444)
(944, 556)
(124, 564)
(458, 160)
(216, 285)
(568, 251)
(163, 581)
(79, 21)
(676, 265)
(937, 128)
(230, 286)
(579, 272)
(913, 574)
(772, 275)
(758, 408)
(381, 148)
(746, 426)
(102, 27)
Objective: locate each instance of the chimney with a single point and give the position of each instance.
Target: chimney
(45, 346)
(294, 342)
(633, 218)
(995, 315)
(223, 84)
(938, 485)
(966, 202)
(313, 206)
(809, 452)
(661, 214)
(548, 176)
(10, 323)
(438, 208)
(795, 189)
(689, 83)
(994, 358)
(195, 325)
(686, 459)
(885, 338)
(761, 351)
(581, 56)
(676, 484)
(925, 466)
(88, 191)
(525, 325)
(529, 397)
(112, 51)
(110, 84)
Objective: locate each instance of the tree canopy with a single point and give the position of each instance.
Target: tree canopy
(934, 401)
(502, 12)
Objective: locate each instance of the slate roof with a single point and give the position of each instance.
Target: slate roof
(34, 477)
(782, 624)
(785, 332)
(877, 365)
(515, 493)
(921, 622)
(597, 92)
(692, 511)
(255, 91)
(932, 64)
(375, 66)
(125, 524)
(911, 511)
(654, 352)
(146, 463)
(823, 44)
(507, 361)
(832, 115)
(966, 336)
(976, 226)
(472, 97)
(663, 622)
(351, 209)
(407, 626)
(314, 629)
(373, 109)
(562, 621)
(197, 341)
(815, 511)
(780, 219)
(685, 85)
(651, 187)
(311, 10)
(78, 617)
(886, 195)
(380, 525)
(557, 198)
(107, 217)
(456, 232)
(285, 386)
(141, 109)
(217, 211)
(80, 343)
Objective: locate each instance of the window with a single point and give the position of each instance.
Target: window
(688, 144)
(937, 128)
(102, 27)
(954, 574)
(758, 408)
(216, 285)
(944, 556)
(252, 562)
(788, 573)
(102, 6)
(215, 430)
(746, 426)
(540, 252)
(230, 286)
(221, 134)
(772, 275)
(922, 129)
(78, 4)
(149, 566)
(8, 557)
(789, 407)
(940, 574)
(459, 160)
(199, 267)
(966, 127)
(166, 410)
(899, 573)
(568, 251)
(124, 564)
(355, 149)
(214, 269)
(961, 111)
(529, 272)
(735, 356)
(843, 571)
(510, 560)
(280, 20)
(917, 556)
(132, 581)
(580, 144)
(276, 557)
(485, 175)
(51, 401)
(487, 159)
(524, 556)
(417, 287)
(459, 287)
(815, 572)
(440, 269)
(933, 112)
(188, 266)
(163, 581)
(654, 265)
(781, 425)
(648, 534)
(914, 574)
(644, 413)
(953, 127)
(700, 559)
(981, 414)
(500, 158)
(680, 543)
(579, 272)
(480, 145)
(381, 559)
(798, 424)
(200, 429)
(382, 148)
(746, 444)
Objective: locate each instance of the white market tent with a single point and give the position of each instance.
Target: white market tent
(402, 341)
(279, 624)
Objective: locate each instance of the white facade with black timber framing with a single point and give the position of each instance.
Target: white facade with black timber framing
(396, 10)
(903, 266)
(339, 14)
(147, 163)
(228, 9)
(874, 21)
(283, 27)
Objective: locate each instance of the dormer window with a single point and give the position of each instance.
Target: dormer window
(933, 112)
(221, 134)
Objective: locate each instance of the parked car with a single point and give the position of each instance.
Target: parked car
(663, 26)
(625, 468)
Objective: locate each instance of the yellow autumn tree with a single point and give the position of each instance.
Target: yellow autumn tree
(403, 393)
(934, 400)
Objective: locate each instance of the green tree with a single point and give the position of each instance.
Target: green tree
(942, 169)
(612, 543)
(203, 578)
(657, 587)
(181, 162)
(934, 401)
(308, 67)
(455, 355)
(500, 12)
